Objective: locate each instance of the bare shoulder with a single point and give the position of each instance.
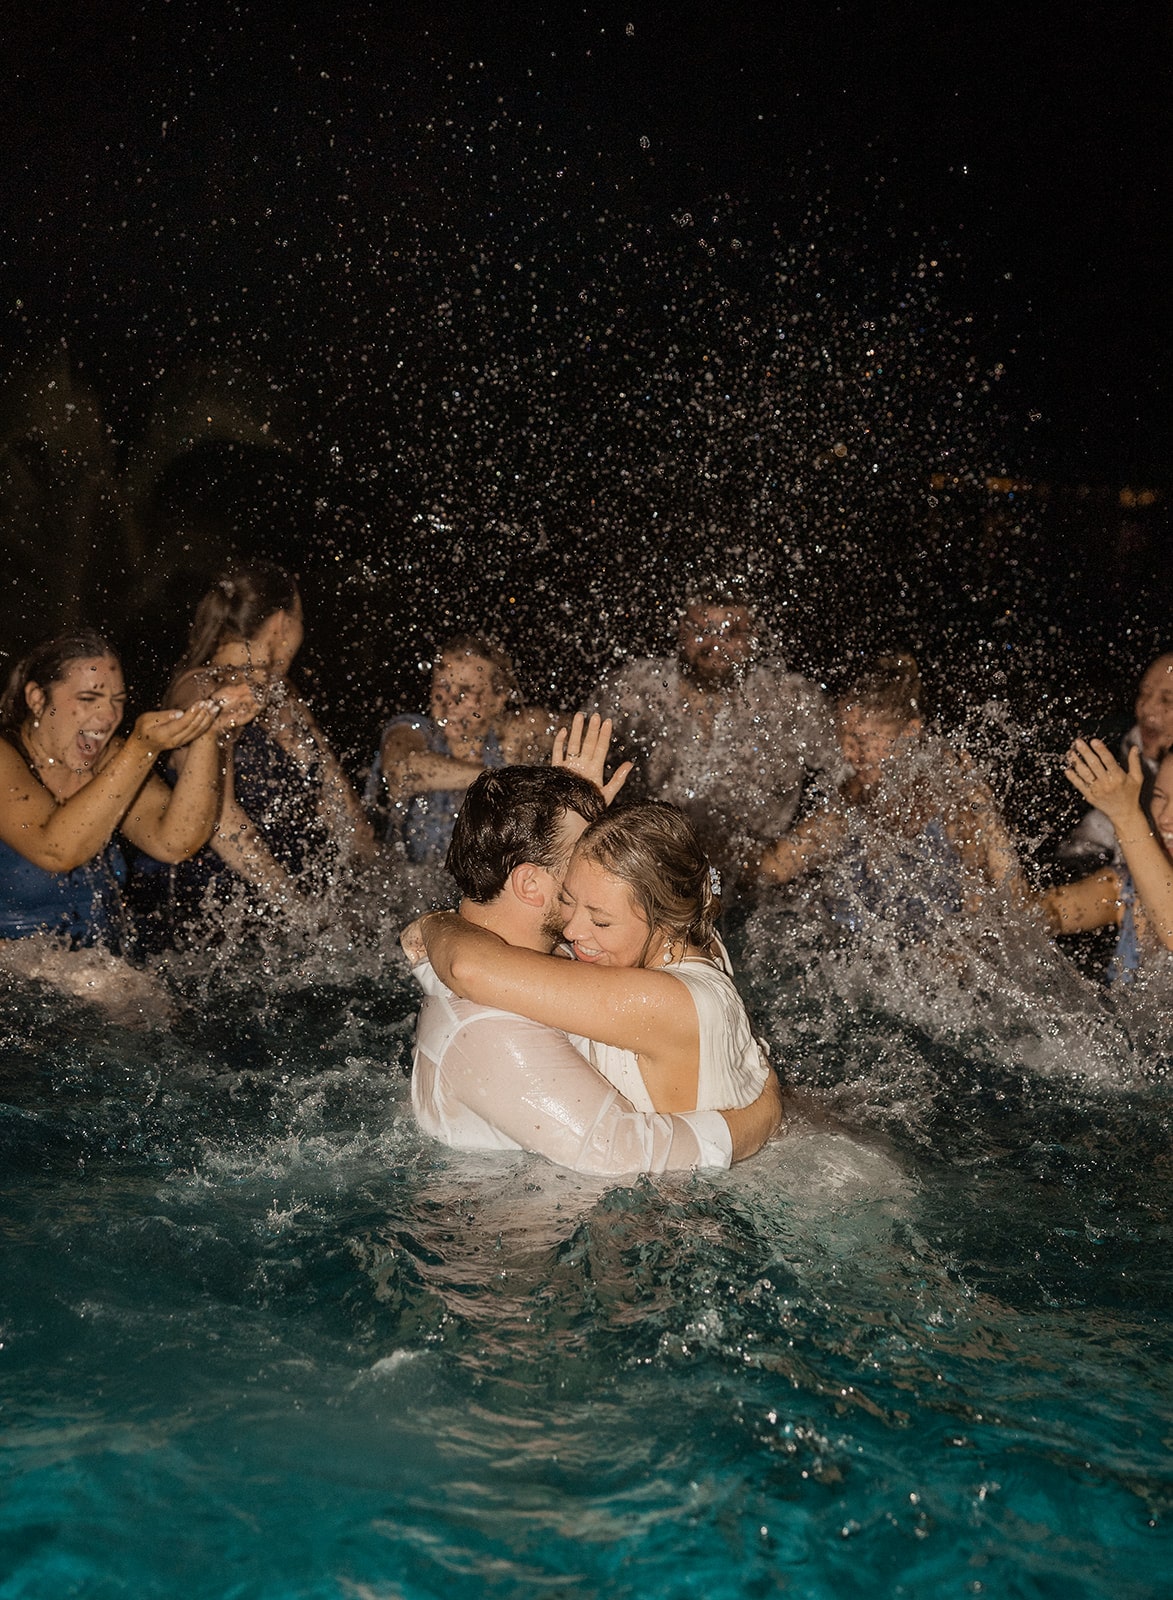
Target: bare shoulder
(400, 737)
(24, 799)
(198, 684)
(15, 771)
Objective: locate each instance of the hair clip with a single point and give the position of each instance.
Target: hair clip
(714, 883)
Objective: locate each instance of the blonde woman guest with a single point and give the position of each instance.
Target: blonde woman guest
(475, 722)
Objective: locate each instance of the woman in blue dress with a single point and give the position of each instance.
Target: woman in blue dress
(69, 785)
(425, 763)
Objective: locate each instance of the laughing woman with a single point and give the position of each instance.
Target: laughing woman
(1136, 894)
(68, 784)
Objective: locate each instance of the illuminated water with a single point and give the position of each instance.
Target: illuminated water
(258, 1338)
(262, 1339)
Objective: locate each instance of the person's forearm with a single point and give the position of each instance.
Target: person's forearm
(785, 860)
(1152, 873)
(806, 847)
(341, 808)
(989, 857)
(752, 1125)
(670, 1087)
(453, 942)
(184, 823)
(1080, 907)
(422, 771)
(238, 844)
(1094, 771)
(75, 831)
(541, 1094)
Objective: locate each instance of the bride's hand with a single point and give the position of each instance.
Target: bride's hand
(583, 749)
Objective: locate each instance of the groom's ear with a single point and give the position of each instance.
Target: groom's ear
(530, 884)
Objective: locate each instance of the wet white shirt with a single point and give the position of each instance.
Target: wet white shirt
(733, 1065)
(485, 1079)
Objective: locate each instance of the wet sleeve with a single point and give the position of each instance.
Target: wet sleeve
(529, 1082)
(425, 975)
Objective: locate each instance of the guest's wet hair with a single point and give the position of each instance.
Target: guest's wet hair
(889, 687)
(654, 849)
(512, 815)
(482, 649)
(45, 665)
(237, 605)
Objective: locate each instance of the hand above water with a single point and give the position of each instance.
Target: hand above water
(583, 749)
(236, 693)
(1103, 782)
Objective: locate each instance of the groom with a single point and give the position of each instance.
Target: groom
(488, 1079)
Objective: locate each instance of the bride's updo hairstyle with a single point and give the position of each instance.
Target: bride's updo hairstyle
(653, 848)
(236, 606)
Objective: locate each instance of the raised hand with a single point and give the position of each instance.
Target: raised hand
(583, 749)
(1102, 781)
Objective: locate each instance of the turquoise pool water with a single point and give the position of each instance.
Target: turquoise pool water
(261, 1339)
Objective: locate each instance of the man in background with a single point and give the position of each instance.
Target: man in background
(723, 733)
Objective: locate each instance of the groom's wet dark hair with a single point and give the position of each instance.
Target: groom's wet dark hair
(512, 815)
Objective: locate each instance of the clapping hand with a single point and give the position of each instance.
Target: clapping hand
(583, 749)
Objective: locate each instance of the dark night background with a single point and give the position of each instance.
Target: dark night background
(525, 314)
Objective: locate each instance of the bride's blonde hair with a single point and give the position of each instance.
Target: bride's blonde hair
(653, 848)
